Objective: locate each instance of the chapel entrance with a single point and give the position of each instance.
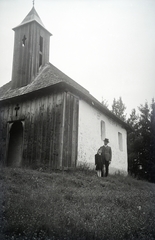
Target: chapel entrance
(15, 145)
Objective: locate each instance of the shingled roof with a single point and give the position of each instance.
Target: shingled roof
(50, 76)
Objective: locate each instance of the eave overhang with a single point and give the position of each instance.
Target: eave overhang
(32, 22)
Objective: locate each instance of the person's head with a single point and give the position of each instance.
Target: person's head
(99, 151)
(106, 141)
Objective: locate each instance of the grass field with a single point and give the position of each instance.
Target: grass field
(75, 205)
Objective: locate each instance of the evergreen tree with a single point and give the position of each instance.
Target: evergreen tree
(152, 164)
(141, 142)
(145, 132)
(134, 141)
(105, 103)
(118, 108)
(133, 119)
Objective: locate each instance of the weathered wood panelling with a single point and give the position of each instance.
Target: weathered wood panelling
(42, 125)
(26, 58)
(70, 131)
(43, 139)
(3, 131)
(50, 130)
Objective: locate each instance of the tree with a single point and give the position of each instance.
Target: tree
(141, 143)
(152, 165)
(133, 119)
(153, 130)
(118, 108)
(105, 102)
(134, 142)
(145, 132)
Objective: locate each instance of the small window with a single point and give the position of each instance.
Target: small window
(120, 141)
(40, 51)
(41, 44)
(40, 59)
(102, 130)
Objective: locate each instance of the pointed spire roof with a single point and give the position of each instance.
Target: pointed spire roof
(32, 16)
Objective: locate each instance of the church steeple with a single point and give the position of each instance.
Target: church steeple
(31, 49)
(32, 16)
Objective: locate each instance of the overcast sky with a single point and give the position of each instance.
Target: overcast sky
(107, 46)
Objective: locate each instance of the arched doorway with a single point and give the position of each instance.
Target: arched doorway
(15, 146)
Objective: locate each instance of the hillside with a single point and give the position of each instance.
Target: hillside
(75, 205)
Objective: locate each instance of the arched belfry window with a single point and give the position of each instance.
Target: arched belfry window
(40, 51)
(102, 130)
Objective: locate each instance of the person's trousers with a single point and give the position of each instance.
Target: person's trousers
(106, 168)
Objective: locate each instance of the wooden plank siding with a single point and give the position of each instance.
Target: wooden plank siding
(3, 131)
(50, 130)
(70, 131)
(26, 58)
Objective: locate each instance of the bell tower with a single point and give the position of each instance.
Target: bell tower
(31, 49)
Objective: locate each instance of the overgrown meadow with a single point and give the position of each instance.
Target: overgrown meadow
(75, 205)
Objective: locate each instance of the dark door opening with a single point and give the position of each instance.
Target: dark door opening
(15, 146)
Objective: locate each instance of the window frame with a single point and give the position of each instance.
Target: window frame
(40, 51)
(120, 141)
(103, 129)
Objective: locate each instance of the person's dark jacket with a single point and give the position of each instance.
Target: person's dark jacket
(98, 162)
(106, 154)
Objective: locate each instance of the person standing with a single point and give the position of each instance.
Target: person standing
(106, 156)
(99, 162)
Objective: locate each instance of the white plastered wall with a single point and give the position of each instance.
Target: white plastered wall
(89, 137)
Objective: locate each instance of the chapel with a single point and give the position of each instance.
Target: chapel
(48, 119)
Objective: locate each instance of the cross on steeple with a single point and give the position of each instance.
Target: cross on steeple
(33, 3)
(16, 109)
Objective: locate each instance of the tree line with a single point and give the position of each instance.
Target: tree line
(140, 139)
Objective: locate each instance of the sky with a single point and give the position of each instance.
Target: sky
(107, 46)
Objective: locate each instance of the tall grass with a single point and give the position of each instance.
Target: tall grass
(76, 205)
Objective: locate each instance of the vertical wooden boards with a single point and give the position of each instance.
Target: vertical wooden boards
(3, 131)
(70, 131)
(51, 106)
(26, 116)
(42, 117)
(48, 120)
(50, 129)
(26, 56)
(54, 136)
(75, 132)
(48, 138)
(66, 148)
(58, 124)
(62, 130)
